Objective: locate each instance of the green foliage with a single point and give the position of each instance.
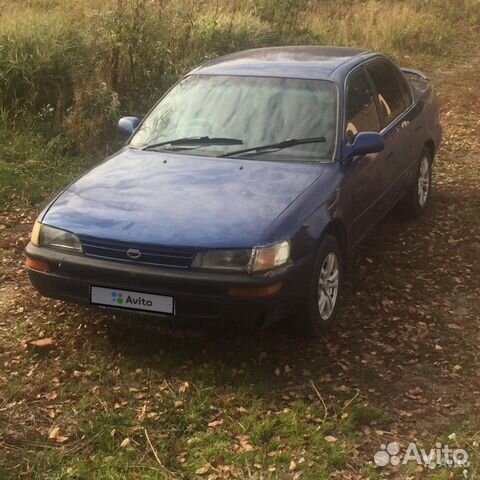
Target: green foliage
(40, 57)
(221, 34)
(361, 415)
(132, 55)
(33, 166)
(93, 115)
(91, 63)
(284, 15)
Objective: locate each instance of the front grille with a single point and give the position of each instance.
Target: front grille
(151, 255)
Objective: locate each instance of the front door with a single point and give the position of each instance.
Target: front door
(364, 175)
(393, 101)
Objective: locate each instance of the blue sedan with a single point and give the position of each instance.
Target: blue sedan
(244, 189)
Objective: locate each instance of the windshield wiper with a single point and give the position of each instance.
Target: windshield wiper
(194, 141)
(276, 146)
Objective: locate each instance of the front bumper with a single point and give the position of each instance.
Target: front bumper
(197, 294)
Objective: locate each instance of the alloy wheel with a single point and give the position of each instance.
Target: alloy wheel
(423, 181)
(328, 286)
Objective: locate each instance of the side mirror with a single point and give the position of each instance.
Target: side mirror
(127, 125)
(364, 143)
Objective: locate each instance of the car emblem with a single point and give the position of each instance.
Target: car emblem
(134, 254)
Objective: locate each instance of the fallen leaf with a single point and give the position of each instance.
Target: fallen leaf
(202, 470)
(215, 423)
(54, 435)
(42, 342)
(244, 443)
(184, 387)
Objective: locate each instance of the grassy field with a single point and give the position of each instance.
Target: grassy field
(104, 400)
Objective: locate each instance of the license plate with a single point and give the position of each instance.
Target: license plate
(130, 300)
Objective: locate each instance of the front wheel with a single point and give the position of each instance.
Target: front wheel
(416, 199)
(319, 309)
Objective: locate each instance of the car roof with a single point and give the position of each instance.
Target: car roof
(312, 62)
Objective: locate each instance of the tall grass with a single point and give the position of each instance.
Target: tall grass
(72, 68)
(33, 166)
(41, 56)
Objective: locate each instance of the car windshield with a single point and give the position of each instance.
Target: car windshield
(233, 113)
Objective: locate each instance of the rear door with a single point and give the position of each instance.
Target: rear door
(364, 175)
(394, 100)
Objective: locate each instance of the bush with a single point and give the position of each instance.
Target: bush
(220, 34)
(284, 15)
(132, 56)
(398, 28)
(93, 115)
(33, 167)
(40, 57)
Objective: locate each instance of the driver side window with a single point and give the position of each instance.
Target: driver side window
(361, 113)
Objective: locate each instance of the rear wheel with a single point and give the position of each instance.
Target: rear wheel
(417, 198)
(320, 305)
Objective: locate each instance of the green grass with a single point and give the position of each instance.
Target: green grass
(33, 168)
(110, 386)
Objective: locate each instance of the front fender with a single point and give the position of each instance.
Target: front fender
(305, 220)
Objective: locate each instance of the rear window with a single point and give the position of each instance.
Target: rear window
(406, 92)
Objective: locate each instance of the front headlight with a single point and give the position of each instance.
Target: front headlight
(237, 260)
(46, 236)
(257, 259)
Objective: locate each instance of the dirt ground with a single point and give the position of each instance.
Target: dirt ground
(407, 342)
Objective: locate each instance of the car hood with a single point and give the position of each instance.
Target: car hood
(155, 198)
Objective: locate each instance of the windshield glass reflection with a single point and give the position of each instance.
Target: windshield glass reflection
(256, 110)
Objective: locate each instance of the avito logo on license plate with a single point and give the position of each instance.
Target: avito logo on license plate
(148, 302)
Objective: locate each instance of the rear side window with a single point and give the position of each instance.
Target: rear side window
(406, 92)
(391, 98)
(361, 113)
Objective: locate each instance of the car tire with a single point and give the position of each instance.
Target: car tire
(320, 305)
(415, 201)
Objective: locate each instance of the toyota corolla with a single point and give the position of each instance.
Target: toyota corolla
(243, 191)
